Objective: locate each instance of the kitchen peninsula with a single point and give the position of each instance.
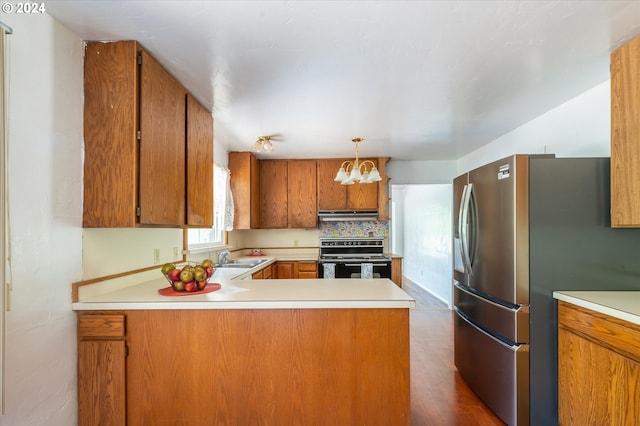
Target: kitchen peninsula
(292, 351)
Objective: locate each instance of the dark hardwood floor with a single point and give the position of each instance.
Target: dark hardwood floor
(439, 396)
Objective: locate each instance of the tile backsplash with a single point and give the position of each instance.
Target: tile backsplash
(351, 229)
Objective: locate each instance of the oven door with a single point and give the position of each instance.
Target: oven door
(353, 269)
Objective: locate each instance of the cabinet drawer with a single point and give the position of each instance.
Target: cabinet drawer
(612, 333)
(100, 325)
(307, 266)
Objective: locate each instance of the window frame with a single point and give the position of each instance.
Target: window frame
(220, 183)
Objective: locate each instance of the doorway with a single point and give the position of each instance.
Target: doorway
(421, 232)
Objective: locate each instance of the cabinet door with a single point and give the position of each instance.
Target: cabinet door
(598, 368)
(162, 146)
(101, 383)
(301, 194)
(245, 187)
(285, 270)
(268, 272)
(110, 125)
(199, 165)
(363, 195)
(273, 194)
(101, 369)
(625, 135)
(331, 195)
(396, 271)
(307, 269)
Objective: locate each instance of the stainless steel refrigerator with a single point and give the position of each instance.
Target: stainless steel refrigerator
(525, 226)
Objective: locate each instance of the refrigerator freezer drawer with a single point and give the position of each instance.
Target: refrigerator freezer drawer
(498, 373)
(505, 321)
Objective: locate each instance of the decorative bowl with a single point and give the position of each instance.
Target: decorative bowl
(188, 277)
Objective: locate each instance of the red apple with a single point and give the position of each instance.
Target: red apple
(190, 286)
(201, 285)
(174, 275)
(209, 270)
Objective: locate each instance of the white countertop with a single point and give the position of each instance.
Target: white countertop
(239, 293)
(624, 305)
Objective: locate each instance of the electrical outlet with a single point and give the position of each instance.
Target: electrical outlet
(156, 256)
(175, 254)
(295, 243)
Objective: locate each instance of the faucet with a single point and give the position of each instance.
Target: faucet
(222, 256)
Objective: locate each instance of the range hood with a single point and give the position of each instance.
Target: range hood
(344, 215)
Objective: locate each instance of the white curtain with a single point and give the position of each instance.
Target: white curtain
(225, 198)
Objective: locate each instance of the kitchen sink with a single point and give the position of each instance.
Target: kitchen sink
(247, 264)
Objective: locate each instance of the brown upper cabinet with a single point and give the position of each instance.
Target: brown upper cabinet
(301, 194)
(273, 194)
(334, 196)
(199, 165)
(289, 193)
(625, 135)
(136, 170)
(331, 195)
(245, 187)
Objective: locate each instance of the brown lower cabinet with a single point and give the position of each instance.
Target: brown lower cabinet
(598, 368)
(288, 270)
(101, 369)
(396, 270)
(245, 367)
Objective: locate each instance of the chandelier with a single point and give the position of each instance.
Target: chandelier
(263, 144)
(356, 171)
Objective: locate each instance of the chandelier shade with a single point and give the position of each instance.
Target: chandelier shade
(354, 171)
(263, 144)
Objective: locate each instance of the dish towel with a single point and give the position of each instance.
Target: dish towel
(366, 270)
(329, 270)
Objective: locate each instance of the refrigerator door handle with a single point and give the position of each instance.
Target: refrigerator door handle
(513, 348)
(464, 227)
(461, 226)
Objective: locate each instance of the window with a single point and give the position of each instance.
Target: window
(222, 213)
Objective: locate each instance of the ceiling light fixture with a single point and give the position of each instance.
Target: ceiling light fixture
(355, 171)
(263, 144)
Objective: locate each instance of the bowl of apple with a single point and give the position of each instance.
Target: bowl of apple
(190, 277)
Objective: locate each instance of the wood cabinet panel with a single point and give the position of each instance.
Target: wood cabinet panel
(199, 165)
(268, 272)
(307, 269)
(363, 195)
(625, 135)
(100, 325)
(135, 140)
(396, 271)
(334, 196)
(598, 368)
(285, 270)
(101, 369)
(383, 190)
(273, 194)
(101, 383)
(245, 187)
(269, 366)
(110, 126)
(331, 195)
(301, 194)
(162, 146)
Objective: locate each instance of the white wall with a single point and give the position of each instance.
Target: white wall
(420, 172)
(427, 237)
(580, 127)
(45, 196)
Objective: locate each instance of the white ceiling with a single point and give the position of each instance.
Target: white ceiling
(419, 80)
